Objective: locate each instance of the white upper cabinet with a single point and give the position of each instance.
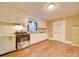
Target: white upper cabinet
(13, 15)
(8, 15)
(3, 14)
(22, 17)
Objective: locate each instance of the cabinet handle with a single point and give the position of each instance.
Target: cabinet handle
(10, 38)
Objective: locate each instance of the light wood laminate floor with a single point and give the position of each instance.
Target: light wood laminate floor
(47, 48)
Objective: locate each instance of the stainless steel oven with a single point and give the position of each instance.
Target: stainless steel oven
(22, 40)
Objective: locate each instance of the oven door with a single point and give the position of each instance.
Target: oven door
(22, 42)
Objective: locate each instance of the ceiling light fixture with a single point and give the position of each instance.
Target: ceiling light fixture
(51, 6)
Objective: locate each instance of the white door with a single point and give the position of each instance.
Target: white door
(75, 34)
(59, 30)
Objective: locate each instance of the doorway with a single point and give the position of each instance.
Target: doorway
(59, 30)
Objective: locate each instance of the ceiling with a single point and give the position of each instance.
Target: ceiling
(39, 9)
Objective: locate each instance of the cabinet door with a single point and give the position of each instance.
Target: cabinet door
(38, 37)
(13, 16)
(22, 17)
(3, 14)
(6, 45)
(8, 15)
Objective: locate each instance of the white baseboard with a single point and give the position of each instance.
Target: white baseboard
(68, 42)
(71, 43)
(50, 38)
(33, 42)
(64, 41)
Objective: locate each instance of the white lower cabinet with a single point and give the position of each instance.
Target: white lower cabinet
(7, 45)
(37, 37)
